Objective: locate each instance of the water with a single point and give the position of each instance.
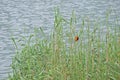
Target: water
(19, 17)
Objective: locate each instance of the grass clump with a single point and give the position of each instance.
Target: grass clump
(95, 56)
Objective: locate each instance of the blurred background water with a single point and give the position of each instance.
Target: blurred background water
(19, 15)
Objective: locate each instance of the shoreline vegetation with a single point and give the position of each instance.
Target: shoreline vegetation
(93, 55)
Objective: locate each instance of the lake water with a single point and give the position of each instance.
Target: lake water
(19, 17)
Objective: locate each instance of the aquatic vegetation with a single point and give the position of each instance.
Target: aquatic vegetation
(95, 56)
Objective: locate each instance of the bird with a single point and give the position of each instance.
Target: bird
(76, 38)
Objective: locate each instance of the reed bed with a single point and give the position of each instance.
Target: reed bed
(94, 55)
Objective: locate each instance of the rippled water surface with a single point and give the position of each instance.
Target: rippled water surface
(16, 16)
